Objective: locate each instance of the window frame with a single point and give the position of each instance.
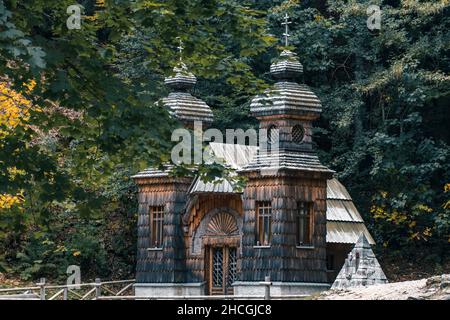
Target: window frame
(156, 224)
(263, 221)
(307, 225)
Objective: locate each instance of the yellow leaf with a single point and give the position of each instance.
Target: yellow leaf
(76, 253)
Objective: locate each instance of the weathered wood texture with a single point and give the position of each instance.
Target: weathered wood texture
(283, 260)
(179, 261)
(168, 264)
(207, 204)
(284, 124)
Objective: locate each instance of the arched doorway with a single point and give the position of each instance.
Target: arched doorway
(220, 236)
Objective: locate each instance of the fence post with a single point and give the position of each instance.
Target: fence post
(66, 293)
(267, 284)
(41, 284)
(98, 288)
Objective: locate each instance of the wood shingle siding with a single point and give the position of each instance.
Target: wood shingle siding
(168, 263)
(283, 260)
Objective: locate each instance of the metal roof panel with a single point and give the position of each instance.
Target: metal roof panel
(335, 190)
(342, 210)
(346, 232)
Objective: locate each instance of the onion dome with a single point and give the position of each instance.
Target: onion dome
(181, 103)
(287, 67)
(182, 80)
(286, 97)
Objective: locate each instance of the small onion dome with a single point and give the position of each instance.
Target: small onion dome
(287, 97)
(182, 80)
(287, 66)
(182, 105)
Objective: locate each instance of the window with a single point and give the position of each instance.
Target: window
(272, 137)
(271, 134)
(156, 225)
(298, 133)
(304, 223)
(263, 223)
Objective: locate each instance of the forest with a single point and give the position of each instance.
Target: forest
(79, 115)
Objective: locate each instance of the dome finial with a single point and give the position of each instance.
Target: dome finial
(286, 34)
(182, 79)
(287, 65)
(180, 49)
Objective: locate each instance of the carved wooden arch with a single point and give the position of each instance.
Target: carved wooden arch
(221, 224)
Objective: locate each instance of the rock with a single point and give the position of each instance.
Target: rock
(445, 281)
(415, 298)
(433, 281)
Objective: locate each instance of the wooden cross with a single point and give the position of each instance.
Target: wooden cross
(286, 34)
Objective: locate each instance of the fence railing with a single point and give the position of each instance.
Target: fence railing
(82, 291)
(119, 290)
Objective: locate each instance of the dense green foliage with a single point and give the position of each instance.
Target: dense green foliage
(386, 98)
(94, 120)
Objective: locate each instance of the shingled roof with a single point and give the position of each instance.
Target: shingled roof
(286, 96)
(182, 105)
(286, 159)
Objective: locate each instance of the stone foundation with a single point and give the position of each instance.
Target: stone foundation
(169, 289)
(278, 288)
(240, 289)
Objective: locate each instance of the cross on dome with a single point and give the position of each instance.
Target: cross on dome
(180, 48)
(286, 34)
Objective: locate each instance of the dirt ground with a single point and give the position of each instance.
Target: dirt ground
(434, 288)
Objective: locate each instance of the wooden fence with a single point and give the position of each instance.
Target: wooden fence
(82, 291)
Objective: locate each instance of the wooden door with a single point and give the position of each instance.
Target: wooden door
(221, 269)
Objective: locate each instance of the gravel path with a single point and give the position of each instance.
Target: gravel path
(425, 289)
